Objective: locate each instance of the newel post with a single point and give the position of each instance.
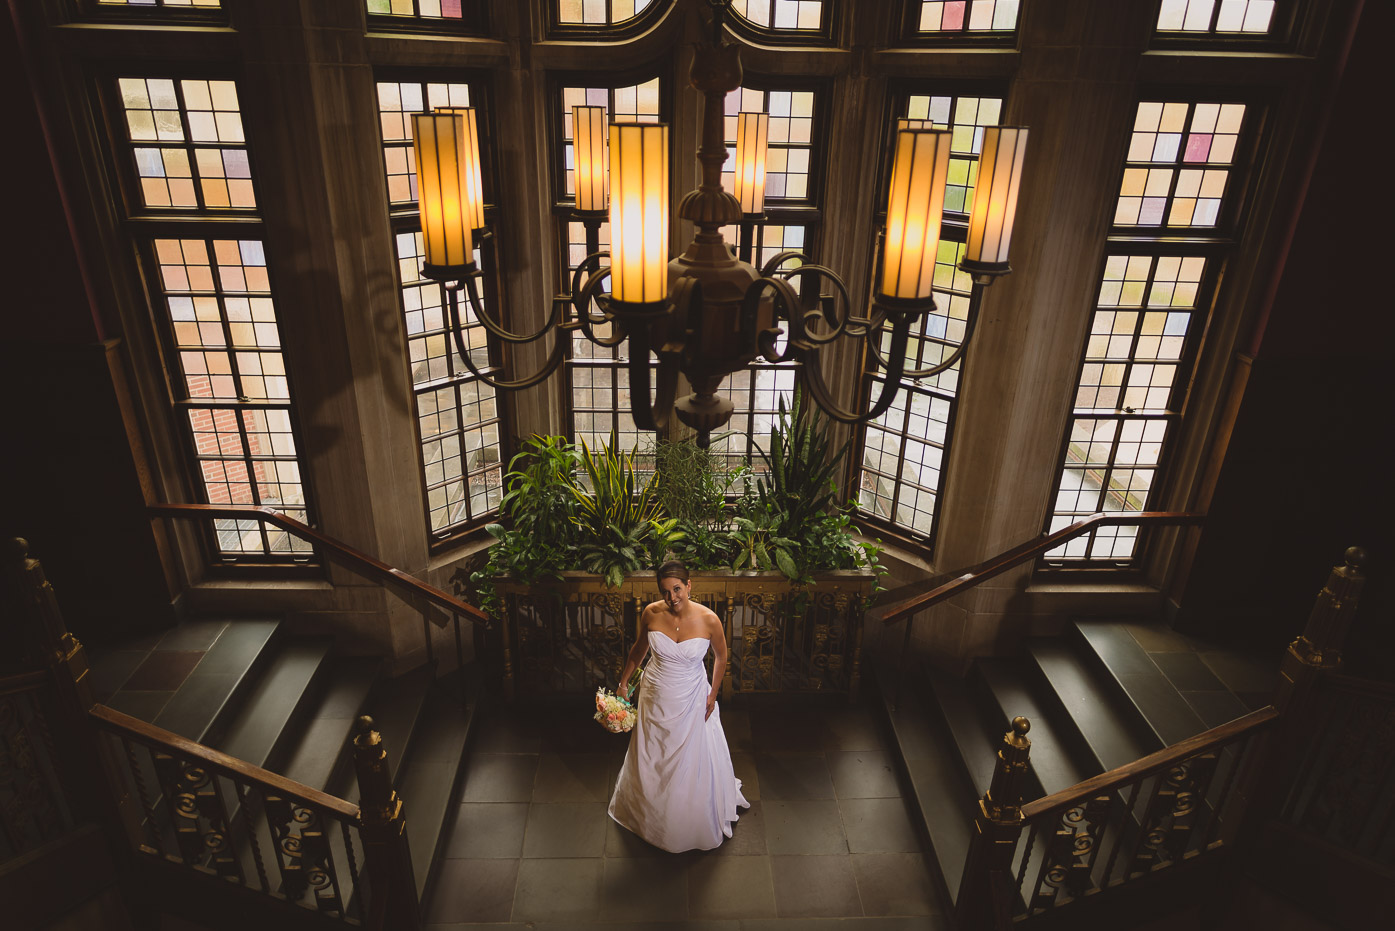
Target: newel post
(389, 860)
(997, 827)
(1315, 652)
(32, 625)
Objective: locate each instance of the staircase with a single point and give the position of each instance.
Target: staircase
(1104, 695)
(288, 704)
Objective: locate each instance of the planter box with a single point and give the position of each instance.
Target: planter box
(572, 636)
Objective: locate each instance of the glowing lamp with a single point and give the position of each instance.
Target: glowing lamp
(914, 208)
(447, 206)
(752, 141)
(639, 212)
(995, 200)
(588, 146)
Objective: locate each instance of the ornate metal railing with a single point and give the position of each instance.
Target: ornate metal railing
(573, 635)
(1135, 820)
(219, 816)
(33, 806)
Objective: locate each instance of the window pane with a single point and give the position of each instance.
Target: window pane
(599, 12)
(187, 143)
(781, 14)
(397, 101)
(965, 117)
(1178, 165)
(236, 399)
(939, 16)
(1207, 17)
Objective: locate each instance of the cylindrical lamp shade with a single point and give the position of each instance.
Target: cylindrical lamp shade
(905, 122)
(913, 213)
(639, 212)
(752, 142)
(995, 196)
(588, 147)
(470, 164)
(446, 217)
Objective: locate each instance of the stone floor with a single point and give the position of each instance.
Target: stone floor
(828, 836)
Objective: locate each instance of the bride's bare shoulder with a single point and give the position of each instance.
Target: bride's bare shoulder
(651, 611)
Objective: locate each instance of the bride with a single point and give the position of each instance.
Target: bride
(677, 789)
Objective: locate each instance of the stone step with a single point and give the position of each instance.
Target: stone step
(1139, 680)
(1059, 757)
(320, 748)
(944, 797)
(1113, 731)
(969, 726)
(395, 706)
(432, 766)
(204, 705)
(265, 719)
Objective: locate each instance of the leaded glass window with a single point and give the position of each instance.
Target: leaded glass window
(1128, 397)
(1209, 17)
(1179, 164)
(458, 416)
(599, 12)
(903, 452)
(233, 393)
(940, 17)
(781, 14)
(598, 377)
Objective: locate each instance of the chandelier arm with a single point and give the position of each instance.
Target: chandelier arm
(813, 376)
(458, 335)
(971, 320)
(596, 273)
(591, 293)
(477, 306)
(839, 324)
(784, 295)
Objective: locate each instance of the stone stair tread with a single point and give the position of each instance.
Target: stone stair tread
(395, 705)
(1144, 684)
(315, 754)
(286, 680)
(430, 772)
(1114, 734)
(967, 725)
(209, 695)
(944, 798)
(1054, 756)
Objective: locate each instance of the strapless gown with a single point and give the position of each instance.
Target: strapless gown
(677, 788)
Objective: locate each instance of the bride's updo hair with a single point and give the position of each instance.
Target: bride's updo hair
(673, 569)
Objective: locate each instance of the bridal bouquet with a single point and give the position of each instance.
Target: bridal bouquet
(613, 712)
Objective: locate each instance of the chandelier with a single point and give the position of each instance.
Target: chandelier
(708, 313)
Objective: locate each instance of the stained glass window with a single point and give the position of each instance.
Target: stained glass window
(166, 4)
(458, 416)
(781, 14)
(599, 12)
(233, 391)
(1179, 164)
(187, 143)
(424, 9)
(397, 101)
(790, 140)
(904, 450)
(1240, 17)
(1128, 397)
(949, 16)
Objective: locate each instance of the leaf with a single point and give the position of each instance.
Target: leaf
(786, 563)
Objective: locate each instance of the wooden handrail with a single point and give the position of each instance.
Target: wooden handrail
(1163, 759)
(335, 550)
(973, 575)
(227, 765)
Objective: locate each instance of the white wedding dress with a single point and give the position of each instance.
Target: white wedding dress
(677, 789)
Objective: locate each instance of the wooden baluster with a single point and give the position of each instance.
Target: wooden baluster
(997, 828)
(388, 860)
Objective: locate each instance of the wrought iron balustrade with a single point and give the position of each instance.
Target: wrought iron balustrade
(573, 635)
(225, 818)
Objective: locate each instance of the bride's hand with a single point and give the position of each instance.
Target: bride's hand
(711, 703)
